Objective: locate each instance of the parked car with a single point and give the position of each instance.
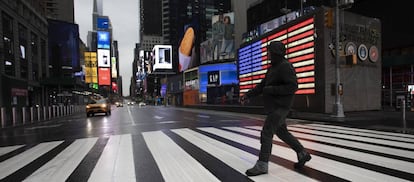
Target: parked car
(98, 106)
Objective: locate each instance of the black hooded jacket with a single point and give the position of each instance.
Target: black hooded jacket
(280, 84)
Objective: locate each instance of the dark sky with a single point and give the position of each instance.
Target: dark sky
(396, 16)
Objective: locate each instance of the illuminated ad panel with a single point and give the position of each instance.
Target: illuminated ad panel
(104, 40)
(104, 58)
(253, 59)
(104, 76)
(91, 73)
(103, 23)
(113, 66)
(162, 57)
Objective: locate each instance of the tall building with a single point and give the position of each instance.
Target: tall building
(59, 10)
(23, 53)
(178, 14)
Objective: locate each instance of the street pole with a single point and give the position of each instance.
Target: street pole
(338, 107)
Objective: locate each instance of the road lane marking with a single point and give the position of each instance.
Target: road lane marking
(174, 163)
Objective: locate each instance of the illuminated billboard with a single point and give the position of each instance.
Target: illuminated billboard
(104, 76)
(300, 41)
(185, 51)
(113, 66)
(91, 73)
(103, 23)
(162, 57)
(104, 40)
(104, 58)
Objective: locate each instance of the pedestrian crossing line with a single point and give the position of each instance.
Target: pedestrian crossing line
(357, 133)
(67, 161)
(13, 164)
(315, 174)
(116, 162)
(396, 153)
(174, 163)
(146, 168)
(382, 142)
(400, 136)
(88, 163)
(237, 158)
(218, 168)
(5, 150)
(329, 166)
(377, 163)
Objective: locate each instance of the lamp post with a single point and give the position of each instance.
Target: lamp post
(338, 107)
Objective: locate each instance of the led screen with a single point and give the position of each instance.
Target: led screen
(104, 59)
(227, 72)
(299, 40)
(103, 23)
(162, 57)
(104, 76)
(103, 40)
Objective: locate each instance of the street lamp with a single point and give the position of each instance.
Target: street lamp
(338, 107)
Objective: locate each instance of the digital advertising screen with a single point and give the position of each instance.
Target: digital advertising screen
(103, 23)
(226, 73)
(91, 73)
(104, 76)
(104, 41)
(104, 58)
(162, 57)
(113, 66)
(299, 40)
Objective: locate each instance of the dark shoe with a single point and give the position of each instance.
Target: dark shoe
(303, 157)
(259, 168)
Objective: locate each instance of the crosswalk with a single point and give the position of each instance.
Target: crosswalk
(214, 154)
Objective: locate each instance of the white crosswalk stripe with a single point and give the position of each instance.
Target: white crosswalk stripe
(338, 152)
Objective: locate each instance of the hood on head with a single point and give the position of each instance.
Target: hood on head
(277, 48)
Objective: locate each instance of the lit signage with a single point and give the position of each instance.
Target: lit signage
(113, 66)
(299, 40)
(104, 76)
(213, 77)
(91, 72)
(104, 40)
(104, 58)
(162, 57)
(103, 23)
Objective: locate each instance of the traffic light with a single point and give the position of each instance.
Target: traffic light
(329, 18)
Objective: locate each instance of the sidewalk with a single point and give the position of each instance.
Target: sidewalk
(388, 120)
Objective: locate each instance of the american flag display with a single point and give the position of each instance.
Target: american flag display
(300, 51)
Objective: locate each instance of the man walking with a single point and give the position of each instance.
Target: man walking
(278, 89)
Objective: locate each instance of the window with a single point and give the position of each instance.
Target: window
(9, 66)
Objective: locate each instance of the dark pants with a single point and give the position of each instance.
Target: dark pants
(275, 123)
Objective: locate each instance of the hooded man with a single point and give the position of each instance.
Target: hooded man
(278, 89)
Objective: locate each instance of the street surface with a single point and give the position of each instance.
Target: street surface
(157, 143)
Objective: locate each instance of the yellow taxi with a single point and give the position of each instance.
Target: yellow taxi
(98, 106)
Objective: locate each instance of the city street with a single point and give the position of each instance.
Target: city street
(158, 143)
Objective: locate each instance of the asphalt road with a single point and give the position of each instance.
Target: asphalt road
(157, 143)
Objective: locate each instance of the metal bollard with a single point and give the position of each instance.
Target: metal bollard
(38, 113)
(403, 114)
(3, 117)
(14, 115)
(50, 112)
(24, 114)
(31, 114)
(44, 113)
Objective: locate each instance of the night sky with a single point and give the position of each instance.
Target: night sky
(396, 17)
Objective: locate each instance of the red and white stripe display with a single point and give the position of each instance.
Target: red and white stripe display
(300, 43)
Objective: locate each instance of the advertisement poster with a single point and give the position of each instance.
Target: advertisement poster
(104, 40)
(162, 57)
(104, 76)
(104, 58)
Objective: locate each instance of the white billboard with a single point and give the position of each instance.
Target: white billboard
(162, 57)
(104, 58)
